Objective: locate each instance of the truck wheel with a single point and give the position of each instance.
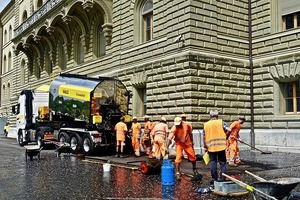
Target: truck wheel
(294, 196)
(64, 138)
(76, 143)
(20, 139)
(39, 139)
(88, 144)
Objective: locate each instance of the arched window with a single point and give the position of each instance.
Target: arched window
(101, 42)
(78, 48)
(3, 92)
(9, 62)
(10, 32)
(8, 91)
(147, 14)
(48, 63)
(24, 16)
(22, 72)
(5, 37)
(4, 64)
(39, 4)
(62, 57)
(37, 69)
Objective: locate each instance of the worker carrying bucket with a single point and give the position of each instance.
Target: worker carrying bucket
(181, 132)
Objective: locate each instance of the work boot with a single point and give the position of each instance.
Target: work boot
(117, 155)
(195, 171)
(232, 164)
(121, 156)
(177, 176)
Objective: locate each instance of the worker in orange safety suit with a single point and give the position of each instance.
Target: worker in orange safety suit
(183, 118)
(121, 130)
(233, 153)
(146, 141)
(181, 132)
(158, 138)
(136, 135)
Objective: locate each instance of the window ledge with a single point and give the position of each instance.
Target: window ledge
(287, 117)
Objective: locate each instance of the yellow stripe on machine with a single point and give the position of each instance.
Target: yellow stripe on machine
(75, 92)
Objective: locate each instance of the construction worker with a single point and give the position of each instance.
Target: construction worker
(233, 153)
(183, 118)
(214, 137)
(121, 130)
(136, 135)
(158, 138)
(181, 132)
(146, 141)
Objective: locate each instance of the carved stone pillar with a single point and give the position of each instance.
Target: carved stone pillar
(107, 29)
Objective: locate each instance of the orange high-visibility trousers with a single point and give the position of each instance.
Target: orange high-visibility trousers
(234, 152)
(136, 145)
(159, 149)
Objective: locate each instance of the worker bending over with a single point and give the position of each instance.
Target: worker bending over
(121, 130)
(158, 138)
(181, 132)
(233, 152)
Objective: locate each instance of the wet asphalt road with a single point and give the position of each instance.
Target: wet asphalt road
(67, 177)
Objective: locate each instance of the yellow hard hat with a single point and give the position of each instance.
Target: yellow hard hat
(147, 116)
(134, 117)
(177, 121)
(183, 115)
(163, 119)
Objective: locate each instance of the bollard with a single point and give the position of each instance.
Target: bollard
(167, 173)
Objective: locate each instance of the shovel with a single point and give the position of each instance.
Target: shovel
(250, 188)
(262, 152)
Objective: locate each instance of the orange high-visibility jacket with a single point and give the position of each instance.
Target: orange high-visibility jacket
(181, 134)
(235, 129)
(215, 137)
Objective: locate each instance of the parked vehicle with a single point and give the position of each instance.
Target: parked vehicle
(74, 109)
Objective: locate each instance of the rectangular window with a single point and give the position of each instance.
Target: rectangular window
(291, 21)
(292, 97)
(139, 101)
(148, 27)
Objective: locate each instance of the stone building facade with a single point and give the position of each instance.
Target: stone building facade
(175, 56)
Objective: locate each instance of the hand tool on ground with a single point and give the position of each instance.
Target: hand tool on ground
(250, 188)
(262, 152)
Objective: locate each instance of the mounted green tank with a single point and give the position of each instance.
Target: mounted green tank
(93, 100)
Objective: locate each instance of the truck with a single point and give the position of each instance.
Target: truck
(75, 109)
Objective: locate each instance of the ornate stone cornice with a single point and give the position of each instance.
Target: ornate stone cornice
(287, 71)
(107, 29)
(139, 78)
(88, 5)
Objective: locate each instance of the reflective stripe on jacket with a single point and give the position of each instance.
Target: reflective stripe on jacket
(215, 137)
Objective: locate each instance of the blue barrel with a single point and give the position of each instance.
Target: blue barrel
(167, 173)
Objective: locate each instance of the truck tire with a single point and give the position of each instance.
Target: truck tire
(87, 144)
(75, 142)
(294, 196)
(20, 138)
(64, 138)
(39, 139)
